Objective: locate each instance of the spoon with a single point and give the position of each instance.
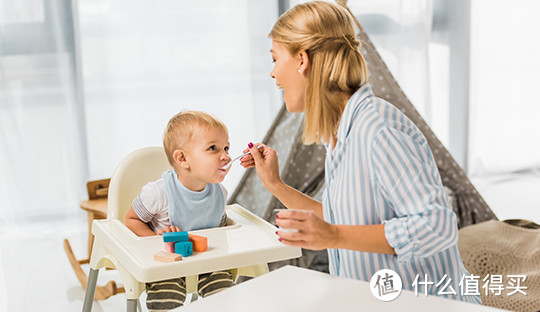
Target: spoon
(236, 158)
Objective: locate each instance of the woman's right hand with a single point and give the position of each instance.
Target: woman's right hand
(265, 161)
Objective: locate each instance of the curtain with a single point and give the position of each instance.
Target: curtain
(505, 71)
(144, 62)
(42, 143)
(84, 83)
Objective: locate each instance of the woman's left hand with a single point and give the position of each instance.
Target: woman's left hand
(313, 232)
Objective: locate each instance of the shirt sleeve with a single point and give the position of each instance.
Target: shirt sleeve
(150, 202)
(410, 183)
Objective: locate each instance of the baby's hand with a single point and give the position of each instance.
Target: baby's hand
(170, 228)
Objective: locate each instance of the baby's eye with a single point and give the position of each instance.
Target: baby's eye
(226, 149)
(212, 148)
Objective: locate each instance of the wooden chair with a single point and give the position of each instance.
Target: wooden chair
(96, 208)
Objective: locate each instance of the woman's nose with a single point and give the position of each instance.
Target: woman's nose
(272, 74)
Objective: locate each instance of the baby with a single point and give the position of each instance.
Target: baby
(186, 198)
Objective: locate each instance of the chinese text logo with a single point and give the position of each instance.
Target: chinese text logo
(386, 285)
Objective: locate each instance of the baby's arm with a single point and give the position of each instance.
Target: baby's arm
(170, 228)
(135, 224)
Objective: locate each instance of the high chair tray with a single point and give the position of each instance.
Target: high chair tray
(246, 240)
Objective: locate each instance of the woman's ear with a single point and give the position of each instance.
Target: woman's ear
(304, 62)
(180, 158)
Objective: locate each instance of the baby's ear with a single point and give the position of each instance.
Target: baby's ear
(180, 159)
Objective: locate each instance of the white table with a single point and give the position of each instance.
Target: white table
(296, 289)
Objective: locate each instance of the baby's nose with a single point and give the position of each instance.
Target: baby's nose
(225, 156)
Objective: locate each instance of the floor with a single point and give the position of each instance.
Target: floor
(50, 285)
(35, 274)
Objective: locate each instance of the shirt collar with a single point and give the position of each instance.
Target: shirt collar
(353, 105)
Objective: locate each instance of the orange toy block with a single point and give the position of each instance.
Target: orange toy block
(164, 256)
(200, 243)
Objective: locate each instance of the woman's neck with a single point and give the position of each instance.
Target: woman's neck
(344, 97)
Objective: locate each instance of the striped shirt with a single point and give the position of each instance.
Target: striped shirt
(382, 171)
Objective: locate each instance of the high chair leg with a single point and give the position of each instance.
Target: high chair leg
(101, 292)
(90, 290)
(132, 305)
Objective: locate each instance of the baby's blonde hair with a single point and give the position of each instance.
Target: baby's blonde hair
(326, 32)
(180, 129)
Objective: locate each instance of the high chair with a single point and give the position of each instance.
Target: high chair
(244, 246)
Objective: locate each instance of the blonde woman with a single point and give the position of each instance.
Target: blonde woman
(384, 206)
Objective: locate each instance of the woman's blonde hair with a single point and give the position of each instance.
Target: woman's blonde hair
(180, 129)
(326, 32)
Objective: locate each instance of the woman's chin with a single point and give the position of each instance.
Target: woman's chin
(293, 107)
(293, 110)
(289, 107)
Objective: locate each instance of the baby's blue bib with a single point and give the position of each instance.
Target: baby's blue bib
(191, 210)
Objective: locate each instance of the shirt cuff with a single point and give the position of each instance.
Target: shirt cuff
(395, 231)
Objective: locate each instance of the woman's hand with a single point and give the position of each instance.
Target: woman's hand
(313, 232)
(170, 228)
(265, 161)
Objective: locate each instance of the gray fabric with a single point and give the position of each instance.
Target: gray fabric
(302, 167)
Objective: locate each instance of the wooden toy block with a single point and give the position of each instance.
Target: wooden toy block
(176, 237)
(200, 243)
(164, 256)
(183, 248)
(169, 247)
